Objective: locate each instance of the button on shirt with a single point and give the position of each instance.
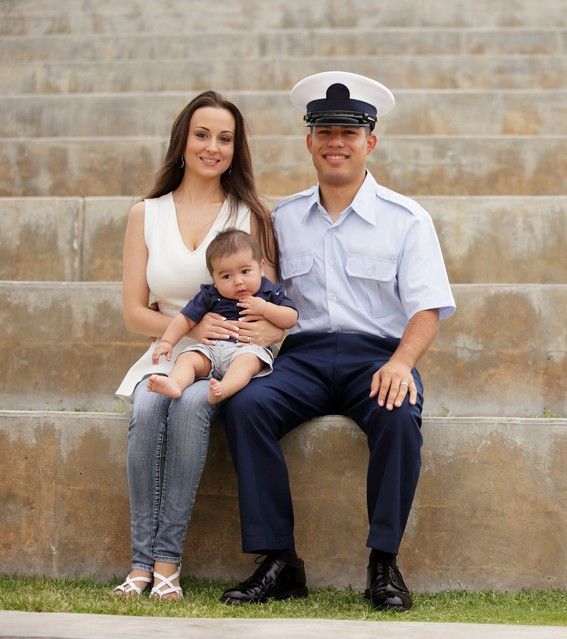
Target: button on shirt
(369, 271)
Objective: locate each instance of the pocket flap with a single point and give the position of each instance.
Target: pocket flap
(294, 266)
(370, 268)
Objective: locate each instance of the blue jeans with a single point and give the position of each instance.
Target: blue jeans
(168, 441)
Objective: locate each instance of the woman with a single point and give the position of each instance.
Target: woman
(205, 184)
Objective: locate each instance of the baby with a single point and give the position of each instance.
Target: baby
(235, 262)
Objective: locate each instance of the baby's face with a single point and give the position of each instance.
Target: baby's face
(238, 275)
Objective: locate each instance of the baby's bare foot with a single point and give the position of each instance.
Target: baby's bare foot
(215, 392)
(164, 386)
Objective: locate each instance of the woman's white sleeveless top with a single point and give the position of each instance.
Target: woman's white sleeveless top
(174, 273)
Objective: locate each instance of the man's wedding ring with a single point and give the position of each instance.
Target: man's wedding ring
(404, 384)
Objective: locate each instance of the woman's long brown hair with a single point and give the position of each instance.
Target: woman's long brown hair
(238, 182)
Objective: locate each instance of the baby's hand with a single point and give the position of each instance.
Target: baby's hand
(163, 348)
(252, 306)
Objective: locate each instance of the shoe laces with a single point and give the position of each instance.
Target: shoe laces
(396, 577)
(390, 572)
(265, 562)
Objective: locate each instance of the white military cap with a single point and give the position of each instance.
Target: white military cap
(341, 98)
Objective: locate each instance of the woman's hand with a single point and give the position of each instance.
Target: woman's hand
(259, 332)
(213, 326)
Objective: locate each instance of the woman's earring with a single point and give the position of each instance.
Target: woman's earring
(230, 170)
(181, 162)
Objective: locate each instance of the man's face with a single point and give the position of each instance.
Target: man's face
(339, 153)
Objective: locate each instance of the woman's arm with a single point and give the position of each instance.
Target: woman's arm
(138, 318)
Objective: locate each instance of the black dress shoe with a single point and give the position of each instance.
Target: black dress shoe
(273, 579)
(385, 587)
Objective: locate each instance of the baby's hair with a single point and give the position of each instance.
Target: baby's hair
(229, 242)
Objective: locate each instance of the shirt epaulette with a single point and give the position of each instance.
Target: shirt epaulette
(401, 200)
(296, 196)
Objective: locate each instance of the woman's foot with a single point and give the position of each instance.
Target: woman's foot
(164, 385)
(136, 583)
(166, 582)
(215, 392)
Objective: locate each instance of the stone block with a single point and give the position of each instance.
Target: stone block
(501, 239)
(281, 42)
(40, 238)
(75, 239)
(281, 73)
(136, 16)
(502, 353)
(422, 112)
(63, 471)
(415, 165)
(103, 239)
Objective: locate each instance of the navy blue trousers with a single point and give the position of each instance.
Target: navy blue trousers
(320, 374)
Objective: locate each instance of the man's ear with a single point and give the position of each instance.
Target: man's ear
(371, 142)
(309, 141)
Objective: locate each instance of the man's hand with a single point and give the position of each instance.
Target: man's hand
(212, 327)
(163, 348)
(391, 383)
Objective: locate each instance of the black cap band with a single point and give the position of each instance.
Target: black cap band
(337, 108)
(339, 118)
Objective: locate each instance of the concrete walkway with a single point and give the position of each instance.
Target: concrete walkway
(36, 625)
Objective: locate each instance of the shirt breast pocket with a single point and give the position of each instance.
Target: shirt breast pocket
(300, 283)
(373, 284)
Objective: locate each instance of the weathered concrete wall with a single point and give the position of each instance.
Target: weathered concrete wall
(278, 43)
(489, 511)
(34, 16)
(81, 238)
(428, 165)
(503, 353)
(421, 112)
(396, 71)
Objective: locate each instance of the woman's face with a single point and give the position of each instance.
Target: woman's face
(210, 142)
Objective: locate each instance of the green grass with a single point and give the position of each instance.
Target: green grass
(201, 600)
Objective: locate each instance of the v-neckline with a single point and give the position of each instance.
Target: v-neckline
(210, 230)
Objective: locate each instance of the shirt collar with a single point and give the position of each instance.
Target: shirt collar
(363, 204)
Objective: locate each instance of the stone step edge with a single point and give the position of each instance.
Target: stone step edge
(298, 31)
(60, 284)
(287, 60)
(294, 137)
(121, 416)
(125, 198)
(276, 93)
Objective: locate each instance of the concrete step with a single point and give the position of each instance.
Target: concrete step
(285, 42)
(60, 472)
(35, 16)
(422, 165)
(502, 353)
(282, 72)
(81, 238)
(422, 112)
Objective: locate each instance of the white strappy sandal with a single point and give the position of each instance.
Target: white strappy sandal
(166, 587)
(130, 585)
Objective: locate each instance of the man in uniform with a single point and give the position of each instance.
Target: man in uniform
(364, 267)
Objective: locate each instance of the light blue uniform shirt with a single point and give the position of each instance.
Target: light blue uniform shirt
(370, 271)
